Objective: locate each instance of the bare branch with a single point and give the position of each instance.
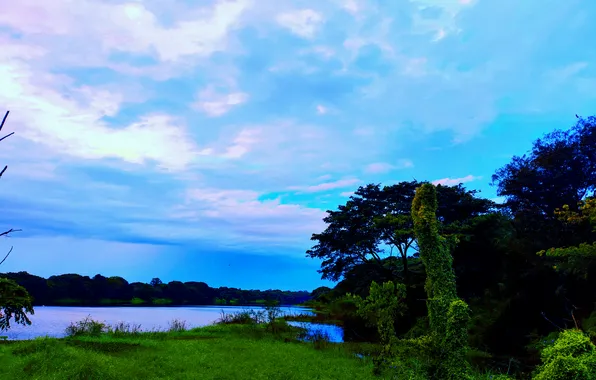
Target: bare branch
(5, 233)
(8, 135)
(9, 231)
(5, 257)
(4, 119)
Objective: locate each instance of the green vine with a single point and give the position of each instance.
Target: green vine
(448, 315)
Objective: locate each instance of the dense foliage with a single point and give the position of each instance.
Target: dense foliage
(522, 270)
(74, 289)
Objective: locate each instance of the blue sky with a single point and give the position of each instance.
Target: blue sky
(204, 140)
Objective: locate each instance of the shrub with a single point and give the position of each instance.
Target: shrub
(244, 317)
(86, 327)
(137, 301)
(571, 356)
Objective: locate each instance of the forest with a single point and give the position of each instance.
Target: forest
(525, 266)
(77, 290)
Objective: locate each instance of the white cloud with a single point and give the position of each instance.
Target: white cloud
(455, 181)
(346, 194)
(70, 122)
(303, 23)
(217, 104)
(384, 167)
(351, 6)
(245, 140)
(245, 214)
(129, 27)
(378, 167)
(327, 185)
(444, 23)
(321, 110)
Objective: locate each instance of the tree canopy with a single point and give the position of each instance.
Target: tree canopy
(376, 223)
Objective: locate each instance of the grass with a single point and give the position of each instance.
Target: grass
(223, 351)
(243, 345)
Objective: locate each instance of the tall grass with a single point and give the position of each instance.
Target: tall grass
(92, 328)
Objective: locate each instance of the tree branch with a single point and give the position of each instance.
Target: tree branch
(8, 135)
(5, 233)
(4, 119)
(8, 232)
(5, 257)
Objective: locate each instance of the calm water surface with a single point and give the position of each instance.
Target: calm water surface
(53, 320)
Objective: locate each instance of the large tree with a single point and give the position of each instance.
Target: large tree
(376, 224)
(560, 169)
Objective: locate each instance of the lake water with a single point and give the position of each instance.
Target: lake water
(53, 320)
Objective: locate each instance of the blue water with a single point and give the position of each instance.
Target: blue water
(53, 320)
(334, 334)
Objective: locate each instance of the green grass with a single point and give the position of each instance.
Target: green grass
(214, 352)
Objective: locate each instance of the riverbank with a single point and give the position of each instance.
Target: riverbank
(213, 352)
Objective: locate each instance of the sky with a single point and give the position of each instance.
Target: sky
(205, 140)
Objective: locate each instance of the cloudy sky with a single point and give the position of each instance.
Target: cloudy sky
(204, 140)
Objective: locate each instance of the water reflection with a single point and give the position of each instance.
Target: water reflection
(334, 333)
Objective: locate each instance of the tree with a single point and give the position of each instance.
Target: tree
(577, 258)
(320, 292)
(155, 282)
(447, 314)
(15, 302)
(535, 297)
(559, 169)
(377, 221)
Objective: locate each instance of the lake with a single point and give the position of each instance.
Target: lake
(53, 320)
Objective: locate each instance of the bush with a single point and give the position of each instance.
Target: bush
(571, 356)
(244, 317)
(137, 301)
(86, 327)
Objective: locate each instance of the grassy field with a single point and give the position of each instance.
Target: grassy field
(213, 352)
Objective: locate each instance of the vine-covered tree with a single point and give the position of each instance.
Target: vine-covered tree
(447, 314)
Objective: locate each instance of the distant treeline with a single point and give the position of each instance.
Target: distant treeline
(77, 290)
